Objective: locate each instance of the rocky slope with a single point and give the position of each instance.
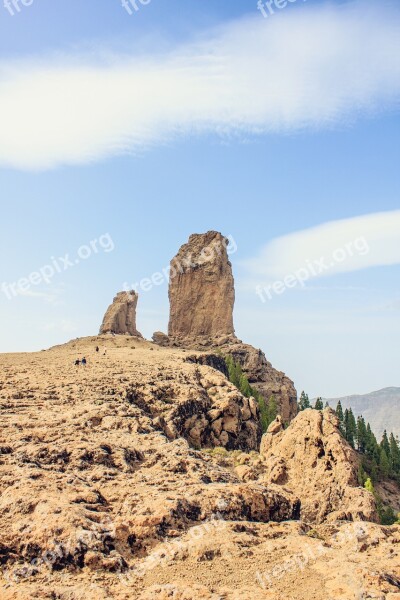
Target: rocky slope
(105, 494)
(313, 460)
(120, 317)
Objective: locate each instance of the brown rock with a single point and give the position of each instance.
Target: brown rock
(201, 289)
(120, 317)
(202, 296)
(313, 460)
(267, 380)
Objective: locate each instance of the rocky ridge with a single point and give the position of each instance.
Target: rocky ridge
(111, 486)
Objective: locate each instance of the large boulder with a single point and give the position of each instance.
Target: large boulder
(120, 317)
(313, 461)
(201, 289)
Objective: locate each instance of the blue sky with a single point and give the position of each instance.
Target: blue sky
(185, 117)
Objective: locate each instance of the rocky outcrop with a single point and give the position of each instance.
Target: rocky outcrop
(98, 471)
(120, 317)
(313, 461)
(201, 290)
(202, 295)
(101, 499)
(267, 380)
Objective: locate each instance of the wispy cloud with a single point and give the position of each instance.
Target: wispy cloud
(304, 68)
(346, 245)
(60, 326)
(50, 294)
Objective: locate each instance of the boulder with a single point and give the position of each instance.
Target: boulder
(313, 461)
(201, 289)
(120, 317)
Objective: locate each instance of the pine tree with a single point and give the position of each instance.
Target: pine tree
(384, 464)
(385, 443)
(272, 410)
(244, 386)
(394, 454)
(340, 416)
(339, 412)
(319, 405)
(304, 401)
(361, 434)
(349, 426)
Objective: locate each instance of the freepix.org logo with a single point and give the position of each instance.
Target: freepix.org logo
(15, 6)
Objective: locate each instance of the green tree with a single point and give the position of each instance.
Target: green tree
(244, 386)
(372, 447)
(385, 443)
(234, 371)
(350, 426)
(369, 486)
(339, 412)
(384, 464)
(387, 516)
(361, 434)
(394, 454)
(268, 410)
(362, 476)
(304, 401)
(272, 410)
(319, 405)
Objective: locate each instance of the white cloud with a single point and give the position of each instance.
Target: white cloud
(50, 294)
(60, 326)
(300, 68)
(346, 245)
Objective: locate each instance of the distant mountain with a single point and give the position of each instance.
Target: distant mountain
(381, 409)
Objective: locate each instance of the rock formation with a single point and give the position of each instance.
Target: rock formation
(202, 295)
(267, 380)
(201, 290)
(312, 459)
(103, 495)
(120, 317)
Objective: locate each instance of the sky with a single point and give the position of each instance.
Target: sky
(122, 134)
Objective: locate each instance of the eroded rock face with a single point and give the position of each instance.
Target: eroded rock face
(202, 297)
(312, 460)
(267, 380)
(97, 473)
(201, 290)
(120, 317)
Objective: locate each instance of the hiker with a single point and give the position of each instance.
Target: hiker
(77, 362)
(84, 361)
(97, 348)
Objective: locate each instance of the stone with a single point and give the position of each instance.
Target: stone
(120, 317)
(313, 460)
(267, 380)
(201, 289)
(202, 295)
